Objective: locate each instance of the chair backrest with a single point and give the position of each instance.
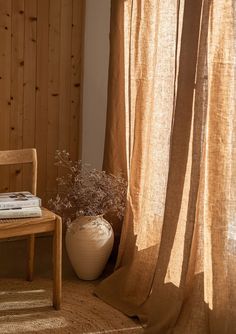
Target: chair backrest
(27, 155)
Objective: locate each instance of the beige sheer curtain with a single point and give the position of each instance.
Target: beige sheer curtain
(171, 129)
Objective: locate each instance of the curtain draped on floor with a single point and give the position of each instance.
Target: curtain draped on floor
(171, 129)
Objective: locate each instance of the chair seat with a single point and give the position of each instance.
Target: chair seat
(24, 226)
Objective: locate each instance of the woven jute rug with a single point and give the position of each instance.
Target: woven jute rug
(25, 307)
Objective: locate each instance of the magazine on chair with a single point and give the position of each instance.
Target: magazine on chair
(14, 200)
(13, 213)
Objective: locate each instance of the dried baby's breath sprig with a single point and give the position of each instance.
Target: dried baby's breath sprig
(86, 191)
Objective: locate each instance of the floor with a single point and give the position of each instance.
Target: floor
(26, 307)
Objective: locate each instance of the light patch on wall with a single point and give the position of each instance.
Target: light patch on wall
(96, 59)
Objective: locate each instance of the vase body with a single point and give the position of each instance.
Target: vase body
(89, 242)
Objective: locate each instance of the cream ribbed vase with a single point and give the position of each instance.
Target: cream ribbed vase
(89, 242)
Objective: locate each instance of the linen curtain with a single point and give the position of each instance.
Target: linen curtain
(171, 130)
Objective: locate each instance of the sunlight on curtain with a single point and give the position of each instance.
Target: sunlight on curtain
(171, 129)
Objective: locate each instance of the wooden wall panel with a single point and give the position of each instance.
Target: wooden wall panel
(5, 82)
(53, 92)
(65, 75)
(40, 78)
(30, 71)
(42, 90)
(76, 64)
(17, 89)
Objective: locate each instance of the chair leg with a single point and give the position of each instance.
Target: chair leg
(57, 263)
(30, 264)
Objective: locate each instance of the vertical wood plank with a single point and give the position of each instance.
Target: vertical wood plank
(5, 84)
(53, 93)
(29, 82)
(65, 75)
(40, 78)
(17, 77)
(76, 78)
(42, 93)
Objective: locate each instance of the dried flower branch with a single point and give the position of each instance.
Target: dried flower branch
(87, 192)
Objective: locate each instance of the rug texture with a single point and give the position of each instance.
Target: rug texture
(25, 307)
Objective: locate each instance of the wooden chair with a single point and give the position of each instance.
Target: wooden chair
(49, 222)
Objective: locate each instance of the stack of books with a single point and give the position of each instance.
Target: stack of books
(19, 205)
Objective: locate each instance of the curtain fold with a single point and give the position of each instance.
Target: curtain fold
(171, 130)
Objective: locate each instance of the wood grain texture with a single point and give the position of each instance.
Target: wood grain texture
(65, 74)
(57, 263)
(42, 91)
(17, 90)
(78, 15)
(29, 107)
(22, 156)
(31, 255)
(5, 83)
(40, 78)
(53, 92)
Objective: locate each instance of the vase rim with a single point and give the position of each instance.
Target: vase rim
(92, 216)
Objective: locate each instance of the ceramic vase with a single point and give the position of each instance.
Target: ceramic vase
(89, 242)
